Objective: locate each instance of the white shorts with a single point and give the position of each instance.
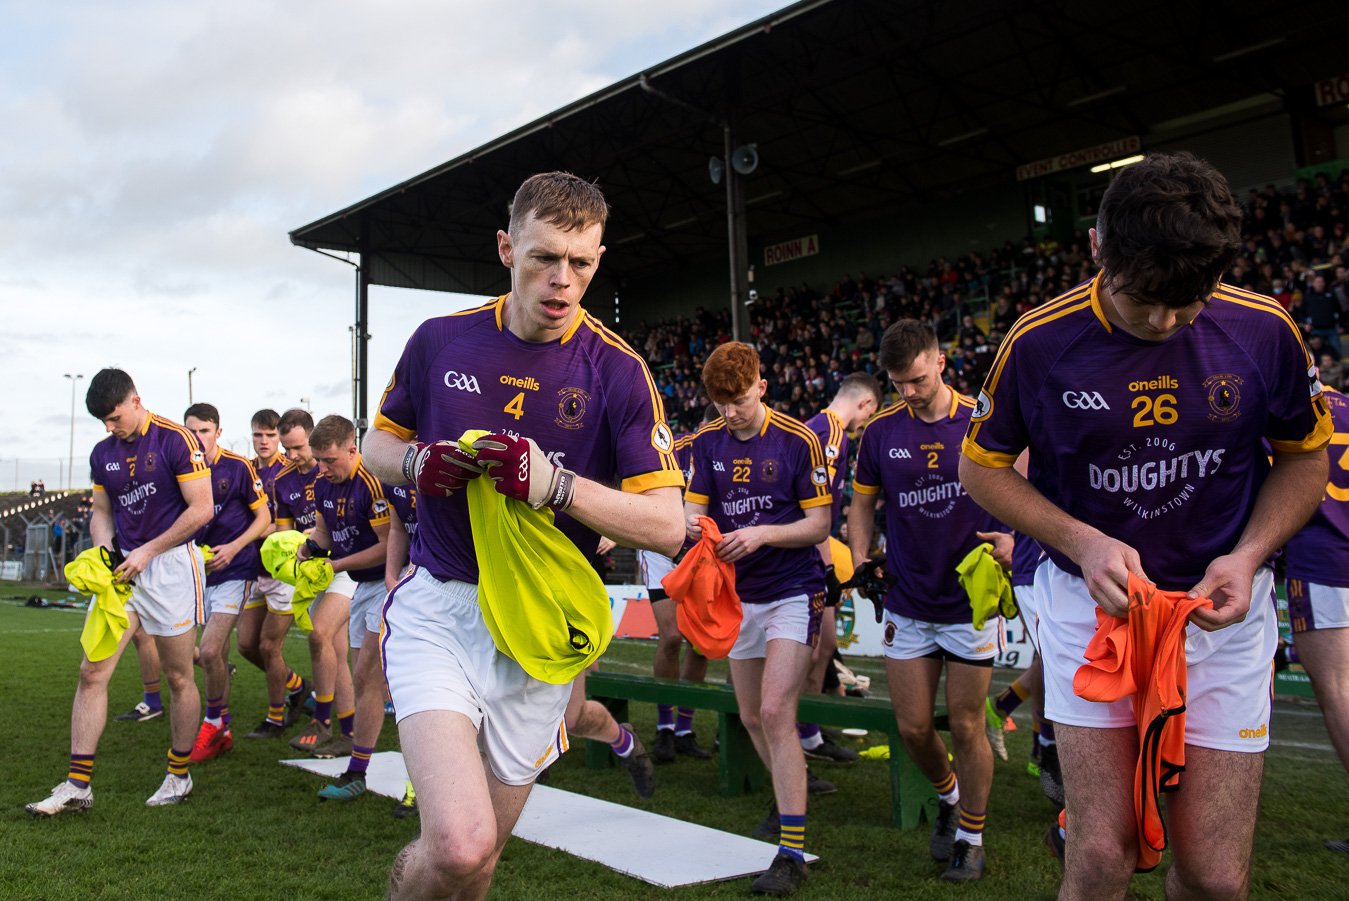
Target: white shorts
(169, 594)
(438, 655)
(365, 611)
(228, 597)
(905, 638)
(1312, 606)
(272, 592)
(1229, 672)
(654, 567)
(1025, 602)
(796, 618)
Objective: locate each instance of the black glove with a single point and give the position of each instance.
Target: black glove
(871, 580)
(833, 589)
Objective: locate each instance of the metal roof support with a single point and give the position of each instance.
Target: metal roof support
(736, 240)
(362, 337)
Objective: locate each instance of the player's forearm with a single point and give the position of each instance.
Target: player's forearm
(861, 525)
(258, 528)
(375, 555)
(101, 529)
(808, 531)
(651, 520)
(397, 556)
(1014, 501)
(383, 452)
(188, 523)
(1287, 499)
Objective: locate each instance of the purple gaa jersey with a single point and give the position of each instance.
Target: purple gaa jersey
(929, 519)
(1155, 443)
(1320, 552)
(404, 501)
(767, 479)
(828, 427)
(268, 473)
(351, 510)
(586, 399)
(141, 477)
(1025, 559)
(295, 500)
(683, 450)
(237, 492)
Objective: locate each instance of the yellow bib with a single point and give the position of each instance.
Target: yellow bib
(543, 603)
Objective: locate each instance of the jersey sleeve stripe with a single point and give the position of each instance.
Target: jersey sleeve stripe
(667, 458)
(694, 497)
(385, 424)
(1268, 306)
(818, 501)
(860, 488)
(992, 459)
(662, 478)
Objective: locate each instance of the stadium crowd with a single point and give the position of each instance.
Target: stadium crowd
(1295, 248)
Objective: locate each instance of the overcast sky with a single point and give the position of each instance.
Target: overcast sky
(154, 156)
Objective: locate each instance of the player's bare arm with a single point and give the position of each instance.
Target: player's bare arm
(200, 509)
(1287, 499)
(101, 529)
(811, 529)
(397, 556)
(861, 526)
(260, 527)
(649, 520)
(1105, 562)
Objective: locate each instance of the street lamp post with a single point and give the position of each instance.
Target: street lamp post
(305, 401)
(70, 467)
(189, 385)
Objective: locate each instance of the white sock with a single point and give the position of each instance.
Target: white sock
(813, 742)
(974, 838)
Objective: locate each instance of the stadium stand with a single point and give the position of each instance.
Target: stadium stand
(1296, 247)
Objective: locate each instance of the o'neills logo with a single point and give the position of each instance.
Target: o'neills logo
(529, 384)
(1161, 383)
(1254, 733)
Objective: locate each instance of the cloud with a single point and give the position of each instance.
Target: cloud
(157, 153)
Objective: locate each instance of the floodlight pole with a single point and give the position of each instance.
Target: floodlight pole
(189, 385)
(70, 468)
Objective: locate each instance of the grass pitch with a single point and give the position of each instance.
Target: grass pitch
(255, 829)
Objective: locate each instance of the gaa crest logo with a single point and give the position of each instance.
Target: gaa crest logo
(571, 407)
(661, 439)
(1224, 396)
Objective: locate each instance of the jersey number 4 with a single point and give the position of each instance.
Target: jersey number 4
(516, 407)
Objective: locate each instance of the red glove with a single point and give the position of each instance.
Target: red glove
(522, 471)
(439, 469)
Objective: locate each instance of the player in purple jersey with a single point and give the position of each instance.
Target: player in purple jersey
(1144, 396)
(675, 658)
(584, 414)
(761, 477)
(857, 398)
(1317, 560)
(294, 486)
(351, 528)
(267, 616)
(241, 517)
(909, 455)
(151, 495)
(353, 517)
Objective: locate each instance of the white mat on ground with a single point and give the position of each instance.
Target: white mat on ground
(621, 838)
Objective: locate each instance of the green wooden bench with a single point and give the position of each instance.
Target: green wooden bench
(911, 796)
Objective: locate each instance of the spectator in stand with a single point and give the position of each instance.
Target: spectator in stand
(1321, 314)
